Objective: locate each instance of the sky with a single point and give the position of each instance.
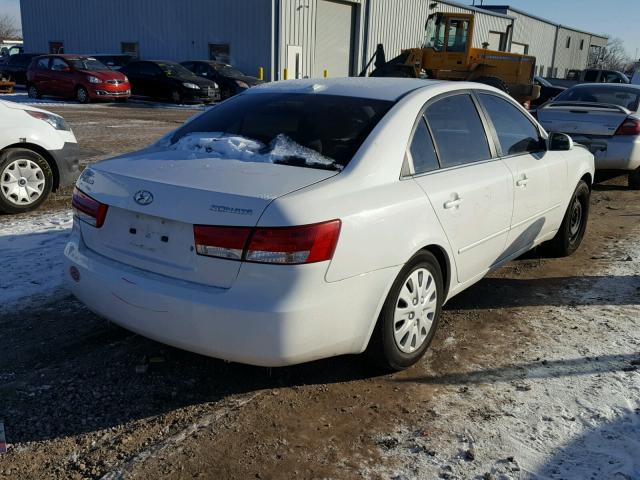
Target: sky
(616, 18)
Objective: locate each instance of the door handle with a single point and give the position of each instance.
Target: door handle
(522, 182)
(455, 203)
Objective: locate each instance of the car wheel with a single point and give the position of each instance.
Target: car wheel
(33, 92)
(176, 96)
(26, 180)
(82, 95)
(574, 224)
(634, 179)
(409, 316)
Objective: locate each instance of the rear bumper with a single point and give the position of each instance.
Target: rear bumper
(271, 316)
(613, 153)
(67, 160)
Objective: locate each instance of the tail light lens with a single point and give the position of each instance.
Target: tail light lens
(88, 209)
(631, 126)
(221, 242)
(279, 245)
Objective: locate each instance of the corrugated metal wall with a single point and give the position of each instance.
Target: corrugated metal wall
(572, 57)
(538, 35)
(297, 26)
(167, 29)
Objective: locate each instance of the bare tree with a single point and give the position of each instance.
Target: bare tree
(614, 56)
(8, 27)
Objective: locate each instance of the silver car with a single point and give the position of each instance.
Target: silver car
(603, 117)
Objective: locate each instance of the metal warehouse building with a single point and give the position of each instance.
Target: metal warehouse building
(306, 37)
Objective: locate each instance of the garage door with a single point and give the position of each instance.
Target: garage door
(334, 38)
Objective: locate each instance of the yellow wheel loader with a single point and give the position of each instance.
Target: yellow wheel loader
(448, 54)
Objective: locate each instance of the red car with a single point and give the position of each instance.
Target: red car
(76, 76)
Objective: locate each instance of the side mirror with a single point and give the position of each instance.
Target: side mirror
(559, 142)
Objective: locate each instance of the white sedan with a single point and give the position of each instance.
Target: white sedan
(308, 219)
(38, 155)
(603, 117)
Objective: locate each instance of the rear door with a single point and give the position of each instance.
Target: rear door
(41, 77)
(539, 177)
(472, 190)
(62, 82)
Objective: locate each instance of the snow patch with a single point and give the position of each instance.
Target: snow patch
(234, 147)
(32, 255)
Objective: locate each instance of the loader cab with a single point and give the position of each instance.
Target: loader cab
(451, 33)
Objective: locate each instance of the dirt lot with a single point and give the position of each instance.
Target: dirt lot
(534, 373)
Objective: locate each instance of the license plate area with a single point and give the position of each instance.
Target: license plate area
(153, 235)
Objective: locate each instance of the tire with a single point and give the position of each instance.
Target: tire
(82, 95)
(176, 97)
(634, 179)
(32, 92)
(574, 224)
(21, 168)
(494, 82)
(390, 347)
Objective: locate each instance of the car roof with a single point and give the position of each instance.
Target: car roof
(378, 88)
(607, 85)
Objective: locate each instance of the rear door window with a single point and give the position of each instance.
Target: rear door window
(516, 133)
(423, 153)
(43, 63)
(627, 97)
(591, 76)
(458, 131)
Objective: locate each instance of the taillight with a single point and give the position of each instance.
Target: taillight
(221, 242)
(631, 126)
(88, 209)
(279, 245)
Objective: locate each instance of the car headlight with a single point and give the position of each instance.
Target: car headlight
(192, 86)
(93, 79)
(126, 79)
(55, 121)
(242, 84)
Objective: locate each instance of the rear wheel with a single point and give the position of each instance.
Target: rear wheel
(33, 92)
(410, 315)
(82, 95)
(634, 179)
(494, 82)
(26, 180)
(574, 224)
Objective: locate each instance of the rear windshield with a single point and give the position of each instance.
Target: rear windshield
(626, 97)
(87, 64)
(326, 126)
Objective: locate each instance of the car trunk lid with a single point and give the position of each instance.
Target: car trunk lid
(581, 118)
(155, 202)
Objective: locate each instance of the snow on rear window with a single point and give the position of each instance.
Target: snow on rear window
(233, 147)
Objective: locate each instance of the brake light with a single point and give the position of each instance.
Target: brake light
(631, 126)
(88, 209)
(278, 245)
(221, 242)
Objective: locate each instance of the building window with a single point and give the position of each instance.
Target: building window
(220, 52)
(582, 44)
(521, 48)
(56, 47)
(568, 42)
(130, 48)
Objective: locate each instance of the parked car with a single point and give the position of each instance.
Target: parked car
(547, 91)
(115, 61)
(75, 76)
(591, 75)
(169, 81)
(604, 118)
(16, 67)
(312, 218)
(231, 80)
(38, 155)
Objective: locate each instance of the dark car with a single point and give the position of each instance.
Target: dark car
(75, 76)
(231, 80)
(547, 91)
(169, 80)
(15, 69)
(115, 61)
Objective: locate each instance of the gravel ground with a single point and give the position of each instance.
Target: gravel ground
(533, 374)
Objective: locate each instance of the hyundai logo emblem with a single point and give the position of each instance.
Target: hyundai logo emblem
(143, 197)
